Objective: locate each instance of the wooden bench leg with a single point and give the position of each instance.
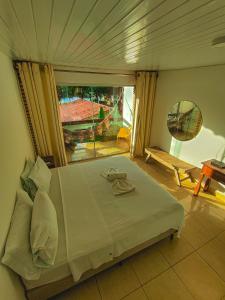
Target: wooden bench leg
(177, 175)
(207, 184)
(148, 157)
(191, 177)
(172, 236)
(198, 185)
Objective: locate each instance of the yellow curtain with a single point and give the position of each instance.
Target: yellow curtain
(143, 111)
(39, 93)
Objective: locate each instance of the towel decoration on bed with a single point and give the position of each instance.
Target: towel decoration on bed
(114, 173)
(120, 184)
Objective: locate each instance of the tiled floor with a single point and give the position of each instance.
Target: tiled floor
(192, 267)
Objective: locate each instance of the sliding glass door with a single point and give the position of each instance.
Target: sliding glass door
(96, 121)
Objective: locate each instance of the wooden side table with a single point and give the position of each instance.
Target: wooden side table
(49, 160)
(209, 171)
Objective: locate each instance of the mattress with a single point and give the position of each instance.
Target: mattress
(95, 226)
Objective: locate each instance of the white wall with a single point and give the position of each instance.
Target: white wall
(206, 87)
(14, 148)
(128, 98)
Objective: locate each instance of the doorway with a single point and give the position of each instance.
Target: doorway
(96, 121)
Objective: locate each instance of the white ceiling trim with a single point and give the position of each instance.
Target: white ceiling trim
(91, 70)
(93, 79)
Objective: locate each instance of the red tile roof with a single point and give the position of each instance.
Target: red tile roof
(79, 110)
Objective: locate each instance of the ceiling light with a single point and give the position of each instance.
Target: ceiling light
(219, 42)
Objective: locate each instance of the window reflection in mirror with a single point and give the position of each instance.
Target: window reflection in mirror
(184, 121)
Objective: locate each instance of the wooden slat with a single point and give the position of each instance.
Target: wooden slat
(42, 12)
(12, 28)
(168, 160)
(94, 23)
(77, 18)
(24, 15)
(166, 35)
(62, 12)
(113, 34)
(134, 22)
(123, 9)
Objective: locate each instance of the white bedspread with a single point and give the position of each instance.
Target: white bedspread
(89, 243)
(99, 225)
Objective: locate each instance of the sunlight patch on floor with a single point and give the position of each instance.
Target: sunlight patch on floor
(216, 198)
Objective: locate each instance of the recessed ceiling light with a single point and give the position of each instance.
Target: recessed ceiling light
(219, 42)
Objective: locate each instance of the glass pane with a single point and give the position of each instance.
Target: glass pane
(115, 132)
(83, 139)
(96, 120)
(76, 115)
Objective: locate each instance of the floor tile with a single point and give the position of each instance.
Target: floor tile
(117, 282)
(148, 264)
(167, 286)
(222, 236)
(192, 204)
(197, 233)
(201, 280)
(87, 290)
(136, 295)
(219, 210)
(175, 250)
(210, 219)
(214, 254)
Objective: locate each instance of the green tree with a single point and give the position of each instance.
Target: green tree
(101, 114)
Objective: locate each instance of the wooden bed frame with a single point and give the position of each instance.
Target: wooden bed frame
(51, 289)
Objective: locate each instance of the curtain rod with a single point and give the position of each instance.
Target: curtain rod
(103, 73)
(156, 71)
(72, 71)
(15, 61)
(30, 61)
(79, 71)
(93, 72)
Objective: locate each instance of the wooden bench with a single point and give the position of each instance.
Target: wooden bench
(171, 162)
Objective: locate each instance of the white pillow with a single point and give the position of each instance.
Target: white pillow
(18, 255)
(27, 169)
(41, 175)
(44, 231)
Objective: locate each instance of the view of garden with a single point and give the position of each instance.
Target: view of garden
(92, 119)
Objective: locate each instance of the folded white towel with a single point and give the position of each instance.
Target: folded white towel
(114, 173)
(122, 186)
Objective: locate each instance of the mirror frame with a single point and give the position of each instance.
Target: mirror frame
(199, 128)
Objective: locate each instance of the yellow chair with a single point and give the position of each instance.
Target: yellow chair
(124, 133)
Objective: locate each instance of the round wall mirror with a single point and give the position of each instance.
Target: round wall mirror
(184, 120)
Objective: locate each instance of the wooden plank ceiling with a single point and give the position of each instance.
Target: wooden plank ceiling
(114, 34)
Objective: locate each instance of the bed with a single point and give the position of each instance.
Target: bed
(110, 230)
